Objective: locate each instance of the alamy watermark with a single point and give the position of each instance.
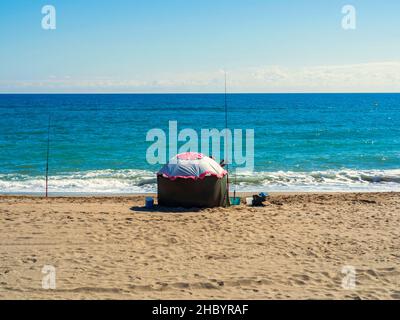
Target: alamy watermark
(208, 143)
(49, 278)
(349, 279)
(49, 19)
(349, 20)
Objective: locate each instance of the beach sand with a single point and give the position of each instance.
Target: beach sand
(111, 247)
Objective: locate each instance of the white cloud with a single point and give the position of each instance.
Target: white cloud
(366, 77)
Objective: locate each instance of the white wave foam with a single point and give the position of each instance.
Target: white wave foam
(98, 181)
(143, 181)
(330, 180)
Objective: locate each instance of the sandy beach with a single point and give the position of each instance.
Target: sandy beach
(111, 247)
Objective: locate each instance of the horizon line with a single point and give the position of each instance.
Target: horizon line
(193, 93)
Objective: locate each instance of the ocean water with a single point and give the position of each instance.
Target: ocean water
(303, 142)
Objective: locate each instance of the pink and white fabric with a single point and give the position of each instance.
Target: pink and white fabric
(191, 165)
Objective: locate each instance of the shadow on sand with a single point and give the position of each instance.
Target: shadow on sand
(160, 209)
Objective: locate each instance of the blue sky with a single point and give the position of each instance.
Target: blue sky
(184, 46)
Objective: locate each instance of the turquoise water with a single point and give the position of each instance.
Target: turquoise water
(302, 141)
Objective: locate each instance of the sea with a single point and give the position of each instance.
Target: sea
(97, 142)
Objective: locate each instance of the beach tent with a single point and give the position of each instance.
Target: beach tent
(192, 180)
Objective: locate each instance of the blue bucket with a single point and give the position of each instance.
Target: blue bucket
(149, 202)
(235, 201)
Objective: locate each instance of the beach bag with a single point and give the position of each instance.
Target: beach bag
(258, 199)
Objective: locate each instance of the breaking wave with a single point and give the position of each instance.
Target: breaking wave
(331, 180)
(143, 181)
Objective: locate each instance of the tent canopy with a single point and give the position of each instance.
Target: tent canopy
(191, 165)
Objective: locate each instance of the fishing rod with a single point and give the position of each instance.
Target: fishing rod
(47, 158)
(226, 143)
(226, 195)
(226, 139)
(226, 125)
